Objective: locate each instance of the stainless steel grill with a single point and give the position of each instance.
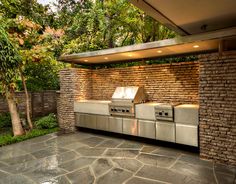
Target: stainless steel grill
(124, 99)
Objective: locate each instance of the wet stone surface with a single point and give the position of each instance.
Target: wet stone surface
(84, 158)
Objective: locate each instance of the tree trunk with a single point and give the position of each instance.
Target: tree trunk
(26, 101)
(15, 118)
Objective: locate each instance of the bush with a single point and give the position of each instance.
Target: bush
(5, 120)
(7, 138)
(47, 122)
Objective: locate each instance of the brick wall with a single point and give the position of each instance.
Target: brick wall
(217, 93)
(174, 83)
(41, 103)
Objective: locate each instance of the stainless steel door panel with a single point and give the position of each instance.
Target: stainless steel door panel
(102, 122)
(86, 120)
(115, 124)
(147, 129)
(165, 131)
(130, 126)
(187, 134)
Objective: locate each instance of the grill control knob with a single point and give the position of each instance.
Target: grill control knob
(123, 110)
(160, 113)
(112, 109)
(166, 113)
(127, 110)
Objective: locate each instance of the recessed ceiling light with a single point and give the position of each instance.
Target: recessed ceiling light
(130, 55)
(106, 58)
(85, 60)
(195, 46)
(159, 51)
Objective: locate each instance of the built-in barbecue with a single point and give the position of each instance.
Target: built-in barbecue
(124, 100)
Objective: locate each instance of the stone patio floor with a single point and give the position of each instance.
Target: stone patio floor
(84, 158)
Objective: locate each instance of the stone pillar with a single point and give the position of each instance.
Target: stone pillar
(74, 85)
(217, 92)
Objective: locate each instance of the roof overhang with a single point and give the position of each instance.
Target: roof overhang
(204, 42)
(188, 17)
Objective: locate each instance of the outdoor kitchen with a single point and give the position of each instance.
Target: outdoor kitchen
(129, 113)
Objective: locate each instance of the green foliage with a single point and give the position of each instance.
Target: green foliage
(9, 61)
(5, 120)
(7, 138)
(47, 122)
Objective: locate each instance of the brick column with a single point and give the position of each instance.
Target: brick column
(217, 93)
(74, 85)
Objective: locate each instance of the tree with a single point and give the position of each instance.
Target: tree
(9, 63)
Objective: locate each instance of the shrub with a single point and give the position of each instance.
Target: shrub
(5, 120)
(47, 122)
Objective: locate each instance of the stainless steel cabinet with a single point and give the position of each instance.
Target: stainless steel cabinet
(147, 129)
(86, 120)
(187, 134)
(115, 124)
(130, 126)
(165, 131)
(102, 123)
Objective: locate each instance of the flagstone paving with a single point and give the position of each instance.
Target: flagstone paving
(88, 158)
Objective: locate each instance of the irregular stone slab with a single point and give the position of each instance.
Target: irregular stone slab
(48, 152)
(195, 171)
(58, 180)
(136, 180)
(82, 176)
(131, 145)
(87, 151)
(16, 179)
(92, 141)
(165, 175)
(3, 174)
(156, 160)
(101, 166)
(121, 153)
(74, 146)
(129, 164)
(148, 149)
(41, 138)
(225, 179)
(225, 169)
(109, 144)
(76, 164)
(11, 153)
(167, 152)
(64, 157)
(43, 174)
(195, 160)
(30, 166)
(115, 176)
(3, 165)
(19, 159)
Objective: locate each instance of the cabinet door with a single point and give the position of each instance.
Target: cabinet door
(187, 134)
(86, 120)
(130, 126)
(147, 129)
(102, 122)
(115, 124)
(165, 131)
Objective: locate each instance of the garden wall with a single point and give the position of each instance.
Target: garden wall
(41, 103)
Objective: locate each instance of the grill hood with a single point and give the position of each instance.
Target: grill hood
(129, 94)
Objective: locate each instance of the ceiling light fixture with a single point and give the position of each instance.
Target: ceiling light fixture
(130, 55)
(195, 46)
(159, 51)
(85, 60)
(106, 58)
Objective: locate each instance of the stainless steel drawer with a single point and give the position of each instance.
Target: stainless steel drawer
(86, 120)
(102, 122)
(187, 134)
(115, 124)
(165, 131)
(130, 126)
(147, 129)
